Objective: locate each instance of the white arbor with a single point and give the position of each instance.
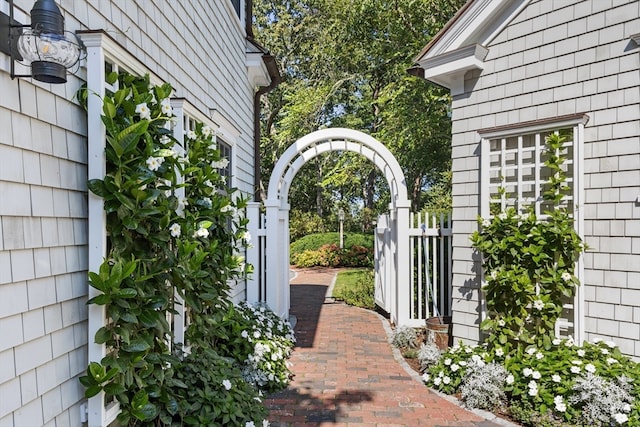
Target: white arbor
(272, 251)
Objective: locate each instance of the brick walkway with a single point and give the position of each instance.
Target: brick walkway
(346, 373)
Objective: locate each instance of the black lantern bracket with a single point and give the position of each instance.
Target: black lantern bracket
(44, 43)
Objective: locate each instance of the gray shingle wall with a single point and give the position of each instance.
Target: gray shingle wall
(560, 58)
(197, 46)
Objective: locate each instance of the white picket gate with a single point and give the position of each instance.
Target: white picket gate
(429, 289)
(429, 267)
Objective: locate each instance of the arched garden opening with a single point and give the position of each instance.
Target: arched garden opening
(271, 256)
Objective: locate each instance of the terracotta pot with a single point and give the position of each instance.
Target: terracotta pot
(439, 331)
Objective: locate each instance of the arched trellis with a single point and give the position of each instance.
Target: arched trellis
(276, 249)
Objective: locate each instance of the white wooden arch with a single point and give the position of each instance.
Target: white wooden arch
(277, 212)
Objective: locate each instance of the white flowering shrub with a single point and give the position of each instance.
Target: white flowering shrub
(428, 355)
(602, 402)
(173, 226)
(272, 340)
(215, 393)
(529, 262)
(404, 336)
(565, 384)
(483, 386)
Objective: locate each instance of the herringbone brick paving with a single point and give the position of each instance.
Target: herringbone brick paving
(346, 373)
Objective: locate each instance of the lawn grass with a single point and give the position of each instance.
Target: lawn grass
(355, 287)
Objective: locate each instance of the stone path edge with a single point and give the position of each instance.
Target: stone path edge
(488, 416)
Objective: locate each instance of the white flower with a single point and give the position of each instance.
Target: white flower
(510, 379)
(597, 340)
(246, 236)
(447, 361)
(164, 139)
(560, 405)
(182, 203)
(577, 362)
(201, 232)
(437, 381)
(539, 356)
(143, 111)
(532, 384)
(538, 304)
(494, 275)
(536, 375)
(568, 343)
(220, 164)
(227, 208)
(502, 216)
(621, 418)
(462, 363)
(191, 135)
(454, 367)
(626, 407)
(265, 423)
(566, 276)
(249, 424)
(604, 351)
(527, 372)
(175, 230)
(153, 163)
(486, 223)
(581, 353)
(531, 351)
(590, 368)
(556, 378)
(533, 391)
(446, 380)
(425, 378)
(206, 131)
(257, 334)
(501, 323)
(611, 360)
(165, 106)
(556, 341)
(499, 352)
(226, 384)
(610, 344)
(575, 369)
(244, 334)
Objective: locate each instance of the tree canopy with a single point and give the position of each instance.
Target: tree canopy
(344, 63)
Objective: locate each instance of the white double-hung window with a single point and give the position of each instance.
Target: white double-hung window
(513, 175)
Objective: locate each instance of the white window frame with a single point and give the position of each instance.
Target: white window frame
(577, 123)
(230, 135)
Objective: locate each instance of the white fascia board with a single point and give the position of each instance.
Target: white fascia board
(448, 69)
(257, 70)
(479, 24)
(636, 38)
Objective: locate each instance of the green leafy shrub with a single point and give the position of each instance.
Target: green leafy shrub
(305, 253)
(316, 241)
(529, 265)
(174, 228)
(304, 223)
(215, 392)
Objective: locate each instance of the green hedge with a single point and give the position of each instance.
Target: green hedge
(313, 242)
(323, 250)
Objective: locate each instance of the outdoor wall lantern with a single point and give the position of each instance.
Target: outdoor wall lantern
(44, 44)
